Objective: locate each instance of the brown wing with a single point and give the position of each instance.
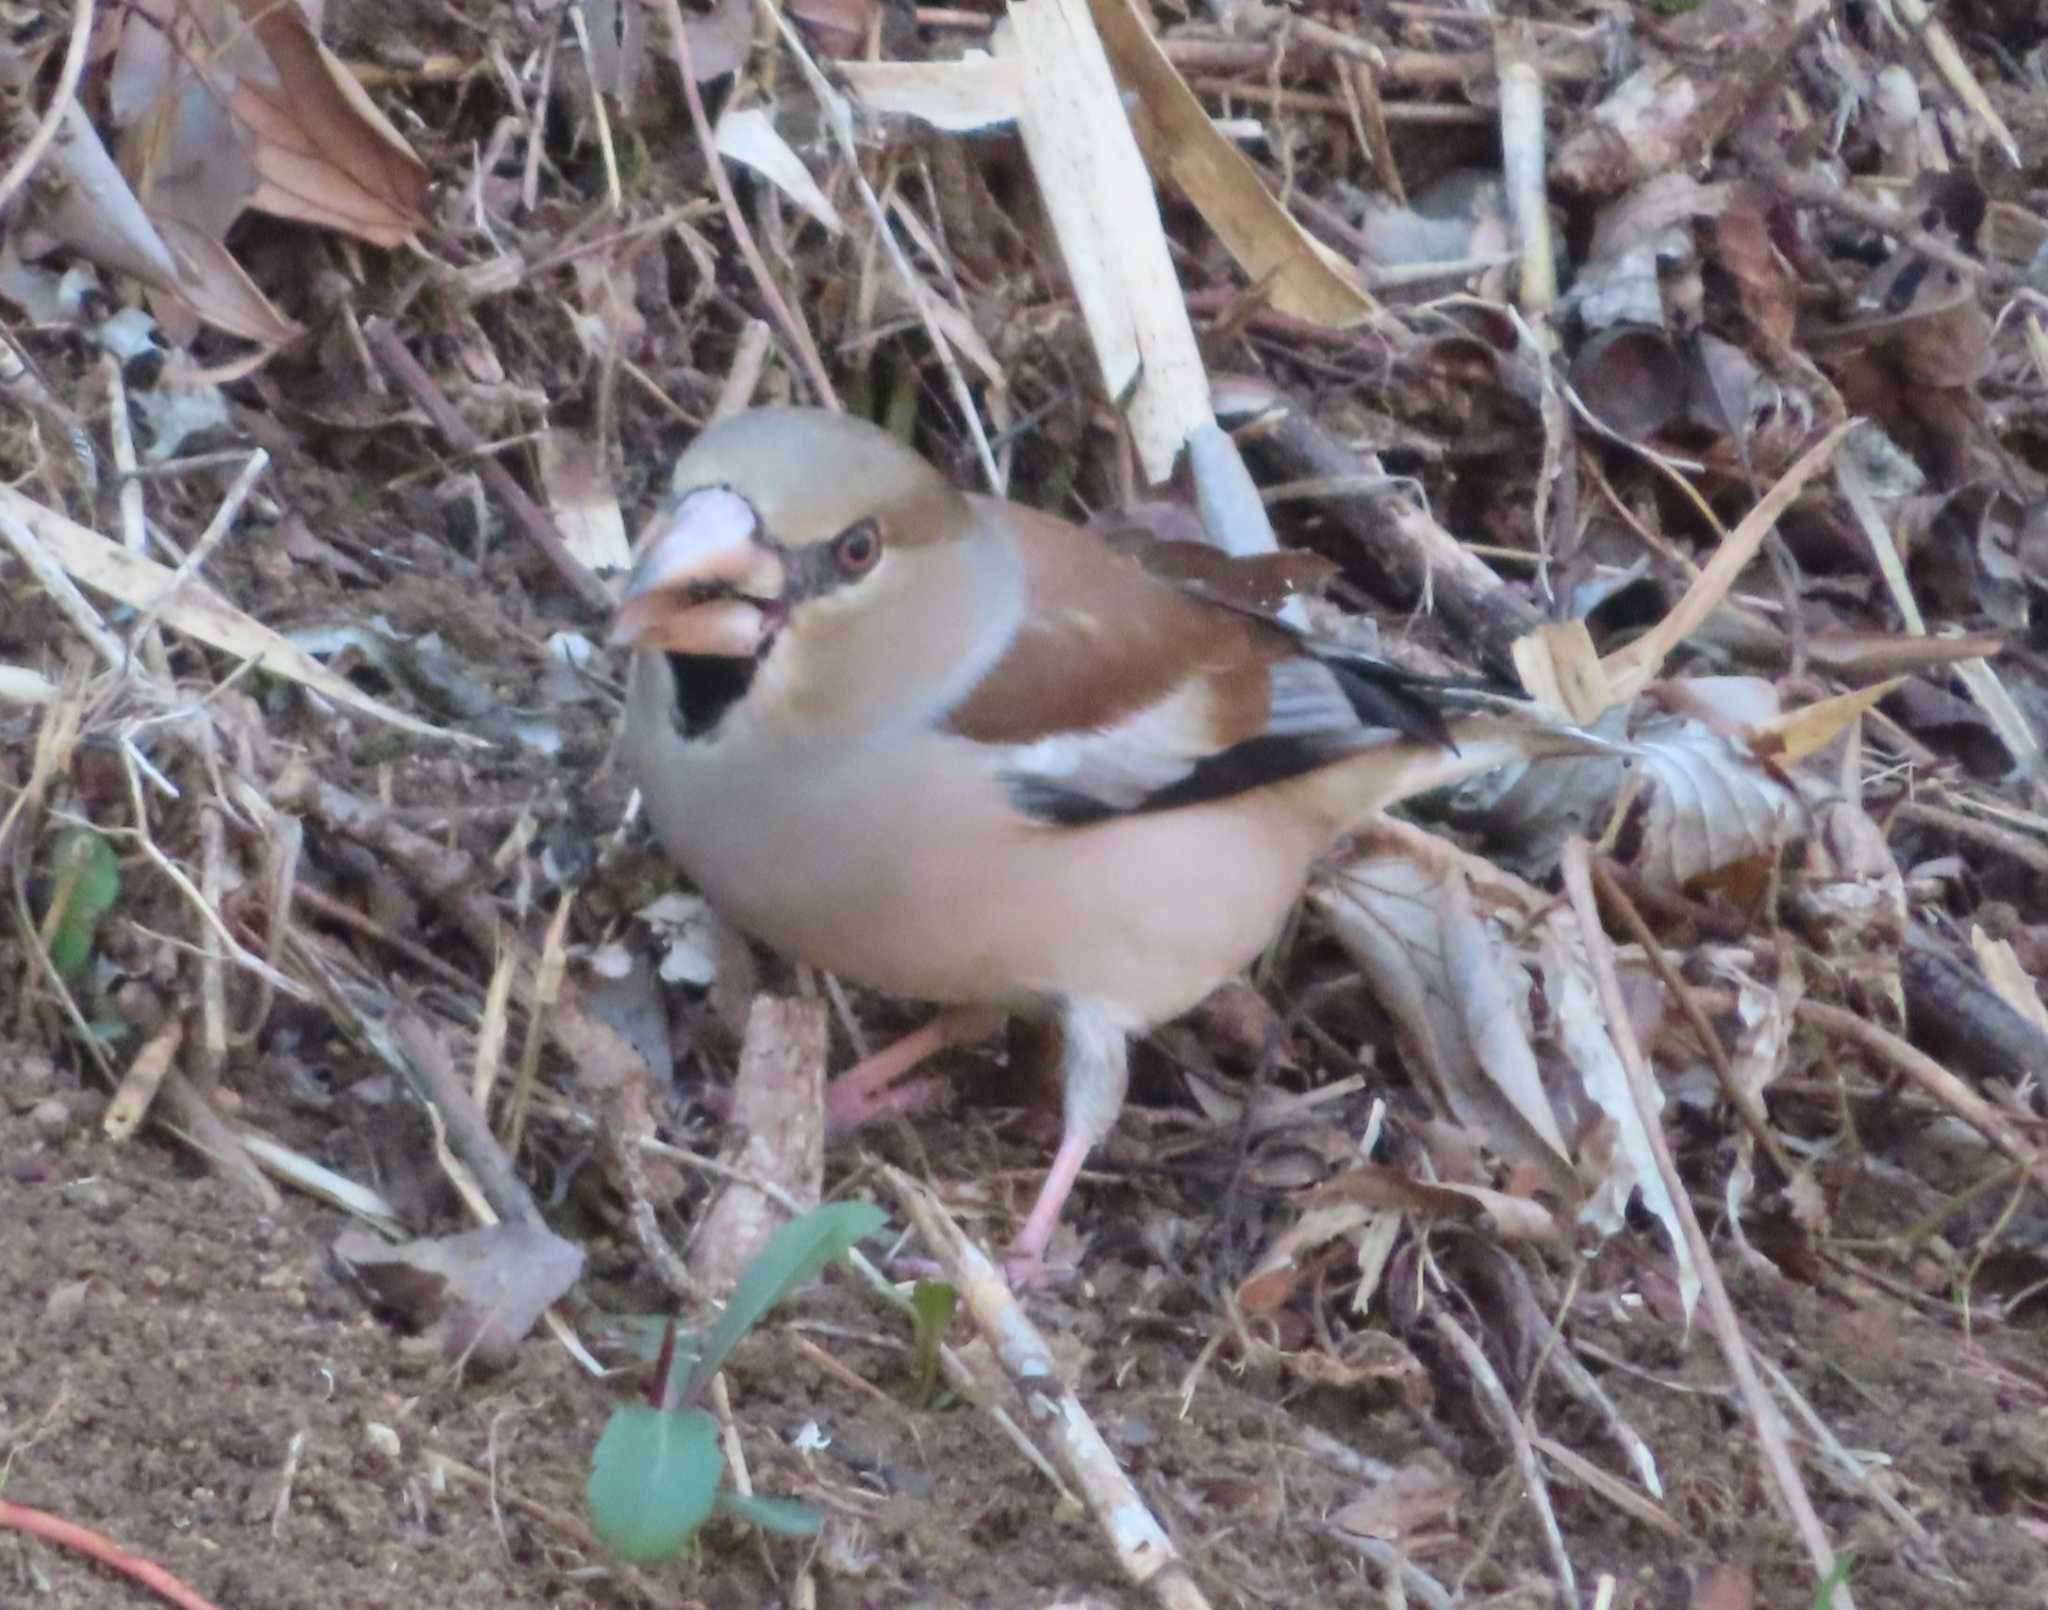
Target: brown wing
(1124, 692)
(1104, 641)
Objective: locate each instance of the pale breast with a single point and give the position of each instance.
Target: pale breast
(901, 863)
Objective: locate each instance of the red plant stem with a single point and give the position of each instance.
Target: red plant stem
(83, 1540)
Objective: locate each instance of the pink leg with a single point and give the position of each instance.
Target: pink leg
(1025, 1262)
(862, 1093)
(1094, 1072)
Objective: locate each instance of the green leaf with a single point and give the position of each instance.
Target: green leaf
(1824, 1596)
(793, 1255)
(653, 1480)
(85, 883)
(932, 1303)
(785, 1517)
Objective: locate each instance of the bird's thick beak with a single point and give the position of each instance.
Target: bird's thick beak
(704, 581)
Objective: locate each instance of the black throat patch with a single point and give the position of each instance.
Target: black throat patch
(707, 685)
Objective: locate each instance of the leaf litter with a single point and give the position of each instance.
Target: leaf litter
(1507, 1234)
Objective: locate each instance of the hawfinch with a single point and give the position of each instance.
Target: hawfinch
(959, 750)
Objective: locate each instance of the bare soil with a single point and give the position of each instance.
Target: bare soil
(194, 1380)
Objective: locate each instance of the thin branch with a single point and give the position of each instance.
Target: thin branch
(67, 86)
(1763, 1411)
(531, 518)
(793, 326)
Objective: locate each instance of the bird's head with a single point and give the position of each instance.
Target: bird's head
(811, 543)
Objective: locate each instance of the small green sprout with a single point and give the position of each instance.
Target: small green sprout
(657, 1472)
(85, 881)
(932, 1303)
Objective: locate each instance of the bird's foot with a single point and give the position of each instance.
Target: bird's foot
(849, 1109)
(1027, 1271)
(865, 1091)
(1023, 1270)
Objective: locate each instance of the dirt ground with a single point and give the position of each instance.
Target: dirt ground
(194, 1380)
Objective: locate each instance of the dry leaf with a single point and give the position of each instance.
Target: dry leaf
(749, 136)
(1412, 928)
(214, 287)
(325, 154)
(957, 97)
(480, 1291)
(1632, 380)
(196, 610)
(720, 38)
(257, 112)
(1705, 804)
(1764, 286)
(578, 485)
(1299, 275)
(1453, 949)
(1422, 1497)
(1099, 197)
(838, 28)
(96, 213)
(1790, 738)
(1510, 1218)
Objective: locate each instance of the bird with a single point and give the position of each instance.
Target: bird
(960, 750)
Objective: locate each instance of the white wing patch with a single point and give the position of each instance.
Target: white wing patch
(1170, 746)
(1120, 766)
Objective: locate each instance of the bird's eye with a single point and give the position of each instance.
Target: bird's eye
(856, 550)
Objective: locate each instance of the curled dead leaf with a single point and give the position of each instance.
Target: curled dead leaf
(837, 28)
(1632, 379)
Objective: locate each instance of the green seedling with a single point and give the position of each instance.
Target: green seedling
(85, 881)
(932, 1303)
(658, 1471)
(1824, 1597)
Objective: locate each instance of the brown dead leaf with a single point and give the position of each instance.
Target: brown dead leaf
(1943, 332)
(1259, 1502)
(837, 28)
(1302, 277)
(1764, 287)
(1788, 739)
(479, 1292)
(1632, 380)
(324, 154)
(1727, 1585)
(216, 290)
(1422, 1498)
(1376, 1185)
(1318, 1240)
